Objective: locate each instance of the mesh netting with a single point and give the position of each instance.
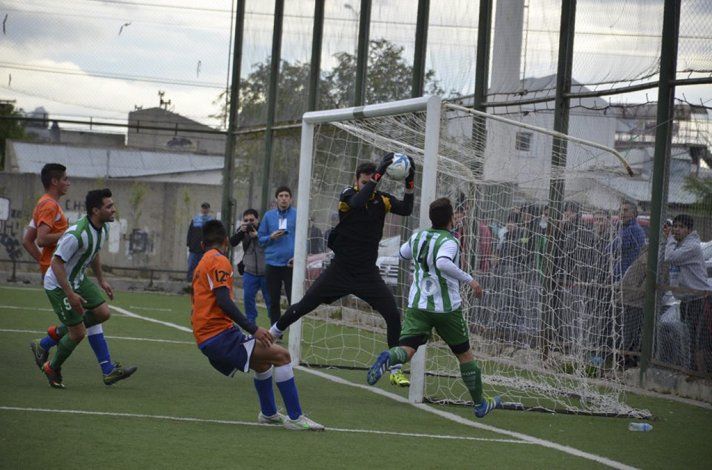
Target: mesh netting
(547, 332)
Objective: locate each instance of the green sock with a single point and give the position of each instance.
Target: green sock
(472, 377)
(64, 350)
(397, 355)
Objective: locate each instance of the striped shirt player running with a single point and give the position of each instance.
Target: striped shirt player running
(434, 302)
(76, 300)
(47, 225)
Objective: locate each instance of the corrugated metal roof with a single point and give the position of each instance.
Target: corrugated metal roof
(94, 162)
(640, 190)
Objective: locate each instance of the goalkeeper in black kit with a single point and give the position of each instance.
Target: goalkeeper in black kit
(355, 239)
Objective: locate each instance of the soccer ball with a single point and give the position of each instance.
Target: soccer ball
(400, 167)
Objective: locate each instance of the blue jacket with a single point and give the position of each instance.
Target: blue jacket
(630, 240)
(278, 252)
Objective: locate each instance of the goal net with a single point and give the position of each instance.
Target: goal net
(539, 238)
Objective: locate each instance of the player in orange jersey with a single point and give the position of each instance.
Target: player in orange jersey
(48, 220)
(228, 349)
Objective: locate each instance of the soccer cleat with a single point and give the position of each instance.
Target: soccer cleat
(119, 373)
(53, 376)
(41, 355)
(399, 378)
(487, 405)
(378, 368)
(276, 418)
(302, 424)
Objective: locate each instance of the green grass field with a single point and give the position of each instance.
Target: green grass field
(177, 412)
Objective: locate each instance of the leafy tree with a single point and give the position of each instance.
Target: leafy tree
(9, 128)
(389, 78)
(702, 189)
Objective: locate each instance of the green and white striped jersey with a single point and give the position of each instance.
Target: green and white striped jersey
(77, 248)
(432, 289)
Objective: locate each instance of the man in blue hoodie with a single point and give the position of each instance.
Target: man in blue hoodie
(277, 235)
(194, 240)
(630, 240)
(688, 281)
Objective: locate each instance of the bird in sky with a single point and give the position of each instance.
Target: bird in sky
(123, 26)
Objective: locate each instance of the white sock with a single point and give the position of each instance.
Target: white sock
(264, 375)
(395, 368)
(283, 373)
(275, 332)
(95, 330)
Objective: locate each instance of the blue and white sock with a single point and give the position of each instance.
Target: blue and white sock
(98, 344)
(265, 392)
(284, 376)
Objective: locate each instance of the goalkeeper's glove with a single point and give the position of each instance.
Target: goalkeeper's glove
(410, 179)
(382, 167)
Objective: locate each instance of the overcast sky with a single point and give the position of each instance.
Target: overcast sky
(100, 58)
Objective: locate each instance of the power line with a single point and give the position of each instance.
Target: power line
(113, 19)
(111, 76)
(386, 22)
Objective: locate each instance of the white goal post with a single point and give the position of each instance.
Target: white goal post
(431, 105)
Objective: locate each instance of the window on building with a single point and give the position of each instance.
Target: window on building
(523, 141)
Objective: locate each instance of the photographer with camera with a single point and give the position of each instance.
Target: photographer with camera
(252, 267)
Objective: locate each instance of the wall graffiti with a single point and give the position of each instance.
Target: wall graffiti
(11, 232)
(139, 242)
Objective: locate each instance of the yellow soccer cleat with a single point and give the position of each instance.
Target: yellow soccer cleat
(399, 378)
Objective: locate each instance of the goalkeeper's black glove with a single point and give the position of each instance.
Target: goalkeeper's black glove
(382, 167)
(410, 179)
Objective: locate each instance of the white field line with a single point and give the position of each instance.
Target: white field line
(155, 309)
(149, 319)
(443, 414)
(127, 338)
(249, 423)
(30, 309)
(39, 288)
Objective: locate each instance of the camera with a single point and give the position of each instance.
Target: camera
(250, 227)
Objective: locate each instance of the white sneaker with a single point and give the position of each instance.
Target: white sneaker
(302, 424)
(276, 418)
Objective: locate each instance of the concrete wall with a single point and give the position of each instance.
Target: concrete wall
(149, 231)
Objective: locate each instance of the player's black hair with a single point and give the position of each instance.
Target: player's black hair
(282, 189)
(440, 213)
(95, 199)
(684, 220)
(366, 168)
(51, 171)
(251, 211)
(214, 233)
